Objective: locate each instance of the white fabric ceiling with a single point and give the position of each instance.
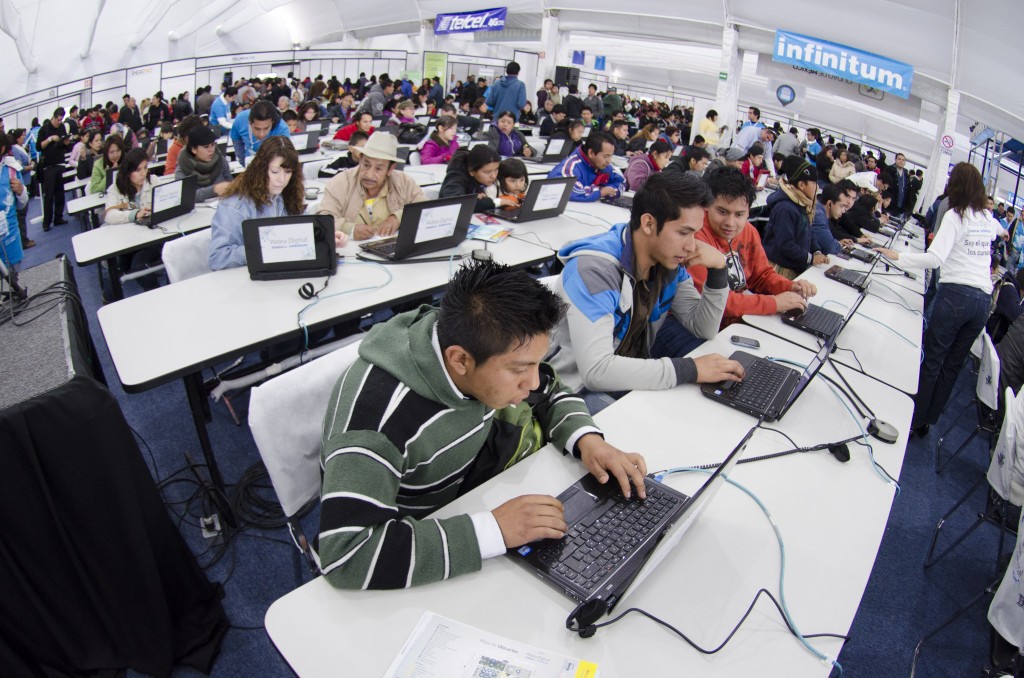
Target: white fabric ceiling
(55, 33)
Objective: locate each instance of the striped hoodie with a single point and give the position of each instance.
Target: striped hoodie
(401, 441)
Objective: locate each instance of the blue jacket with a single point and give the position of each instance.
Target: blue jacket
(226, 246)
(243, 141)
(220, 110)
(11, 252)
(787, 235)
(589, 181)
(506, 94)
(821, 234)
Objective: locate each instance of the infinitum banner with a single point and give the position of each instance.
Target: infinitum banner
(844, 62)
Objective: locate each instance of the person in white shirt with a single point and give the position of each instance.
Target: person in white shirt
(962, 247)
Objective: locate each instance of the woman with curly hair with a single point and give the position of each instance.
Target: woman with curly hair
(271, 186)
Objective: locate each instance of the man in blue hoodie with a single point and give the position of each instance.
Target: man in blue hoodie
(787, 235)
(590, 165)
(508, 93)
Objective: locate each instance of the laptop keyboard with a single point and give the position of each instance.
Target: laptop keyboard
(597, 544)
(761, 382)
(817, 320)
(385, 247)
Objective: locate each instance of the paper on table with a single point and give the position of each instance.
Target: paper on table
(548, 197)
(443, 648)
(167, 196)
(437, 222)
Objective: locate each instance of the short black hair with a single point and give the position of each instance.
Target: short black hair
(619, 123)
(512, 68)
(830, 193)
(667, 193)
(756, 110)
(699, 140)
(263, 110)
(697, 153)
(729, 182)
(847, 186)
(587, 108)
(595, 142)
(356, 137)
(660, 146)
(559, 108)
(489, 309)
(231, 91)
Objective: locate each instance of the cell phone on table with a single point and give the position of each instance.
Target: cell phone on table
(745, 342)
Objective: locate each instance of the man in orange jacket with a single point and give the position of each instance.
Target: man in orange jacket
(755, 287)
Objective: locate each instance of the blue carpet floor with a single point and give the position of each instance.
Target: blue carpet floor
(902, 601)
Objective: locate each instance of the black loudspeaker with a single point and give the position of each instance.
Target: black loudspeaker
(228, 78)
(566, 75)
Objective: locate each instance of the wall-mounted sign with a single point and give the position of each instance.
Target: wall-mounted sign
(877, 72)
(468, 22)
(578, 57)
(600, 63)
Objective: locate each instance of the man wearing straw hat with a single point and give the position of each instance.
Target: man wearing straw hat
(368, 200)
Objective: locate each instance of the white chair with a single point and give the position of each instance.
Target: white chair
(1006, 613)
(188, 256)
(414, 158)
(431, 192)
(1005, 477)
(286, 416)
(986, 402)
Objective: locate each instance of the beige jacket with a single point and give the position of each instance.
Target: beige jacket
(345, 199)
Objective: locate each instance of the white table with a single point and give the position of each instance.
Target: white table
(703, 587)
(883, 354)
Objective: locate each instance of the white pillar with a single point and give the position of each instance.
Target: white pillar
(938, 163)
(727, 94)
(549, 42)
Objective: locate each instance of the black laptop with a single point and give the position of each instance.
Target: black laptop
(306, 142)
(281, 248)
(860, 254)
(613, 543)
(624, 201)
(427, 227)
(768, 388)
(171, 199)
(544, 198)
(819, 321)
(554, 151)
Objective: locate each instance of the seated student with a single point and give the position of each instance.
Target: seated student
(513, 180)
(587, 117)
(840, 228)
(606, 343)
(184, 128)
(252, 127)
(442, 144)
(570, 131)
(639, 142)
(271, 186)
(505, 140)
(754, 286)
(671, 136)
(860, 217)
(548, 125)
(130, 199)
(527, 116)
(591, 166)
(474, 171)
(111, 156)
(91, 153)
(202, 158)
(162, 143)
(348, 160)
(752, 165)
(309, 112)
(291, 118)
(642, 166)
(368, 200)
(79, 148)
(620, 135)
(474, 362)
(404, 113)
(362, 121)
(828, 209)
(787, 235)
(340, 112)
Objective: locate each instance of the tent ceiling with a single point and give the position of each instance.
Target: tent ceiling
(919, 32)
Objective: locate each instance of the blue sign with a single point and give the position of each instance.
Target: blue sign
(469, 22)
(578, 57)
(599, 63)
(848, 63)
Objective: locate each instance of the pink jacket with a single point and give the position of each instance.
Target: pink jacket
(433, 153)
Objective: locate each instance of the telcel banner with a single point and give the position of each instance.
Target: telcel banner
(845, 62)
(484, 20)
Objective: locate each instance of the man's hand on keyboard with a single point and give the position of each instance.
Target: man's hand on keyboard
(602, 459)
(787, 301)
(713, 368)
(388, 227)
(529, 518)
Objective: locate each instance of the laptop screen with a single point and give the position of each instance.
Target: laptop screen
(287, 242)
(167, 196)
(437, 222)
(762, 180)
(555, 146)
(313, 126)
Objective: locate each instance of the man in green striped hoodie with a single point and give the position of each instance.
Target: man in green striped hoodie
(439, 401)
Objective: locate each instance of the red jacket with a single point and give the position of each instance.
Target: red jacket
(345, 133)
(752, 173)
(761, 277)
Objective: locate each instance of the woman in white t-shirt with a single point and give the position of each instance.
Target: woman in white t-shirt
(962, 247)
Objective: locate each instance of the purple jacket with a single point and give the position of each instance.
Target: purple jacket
(433, 153)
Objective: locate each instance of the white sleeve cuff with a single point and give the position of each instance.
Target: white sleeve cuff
(570, 444)
(488, 535)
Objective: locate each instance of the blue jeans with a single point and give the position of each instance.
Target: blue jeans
(673, 340)
(958, 315)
